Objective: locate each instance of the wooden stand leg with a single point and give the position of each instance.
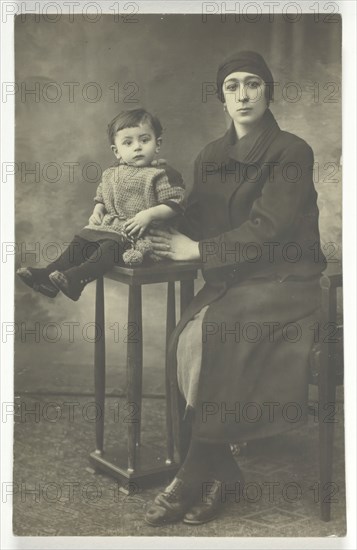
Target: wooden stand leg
(99, 364)
(170, 325)
(134, 373)
(186, 294)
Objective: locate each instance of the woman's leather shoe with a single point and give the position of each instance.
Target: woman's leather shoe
(37, 280)
(215, 495)
(170, 505)
(209, 507)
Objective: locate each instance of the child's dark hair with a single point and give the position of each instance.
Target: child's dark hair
(132, 119)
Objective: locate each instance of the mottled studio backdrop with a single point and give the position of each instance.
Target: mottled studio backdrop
(82, 74)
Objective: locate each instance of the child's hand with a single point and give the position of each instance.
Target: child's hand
(97, 215)
(95, 219)
(138, 223)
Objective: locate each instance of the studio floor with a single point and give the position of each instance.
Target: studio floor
(57, 493)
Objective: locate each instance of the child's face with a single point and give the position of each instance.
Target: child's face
(136, 146)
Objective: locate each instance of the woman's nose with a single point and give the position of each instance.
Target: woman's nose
(138, 146)
(241, 93)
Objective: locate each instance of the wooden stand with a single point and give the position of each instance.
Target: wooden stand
(135, 469)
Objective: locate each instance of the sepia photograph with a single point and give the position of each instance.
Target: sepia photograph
(178, 345)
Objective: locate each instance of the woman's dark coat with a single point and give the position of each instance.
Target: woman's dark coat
(253, 209)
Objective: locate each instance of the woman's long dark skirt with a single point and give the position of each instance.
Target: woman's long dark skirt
(256, 340)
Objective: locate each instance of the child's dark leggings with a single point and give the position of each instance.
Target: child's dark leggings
(86, 260)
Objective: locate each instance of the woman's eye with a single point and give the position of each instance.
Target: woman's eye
(253, 84)
(127, 143)
(231, 87)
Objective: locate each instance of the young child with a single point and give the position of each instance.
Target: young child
(132, 195)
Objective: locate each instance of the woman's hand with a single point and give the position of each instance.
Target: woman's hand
(98, 214)
(138, 223)
(174, 245)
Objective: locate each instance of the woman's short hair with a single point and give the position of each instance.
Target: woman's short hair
(131, 119)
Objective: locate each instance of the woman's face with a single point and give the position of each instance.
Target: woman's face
(244, 95)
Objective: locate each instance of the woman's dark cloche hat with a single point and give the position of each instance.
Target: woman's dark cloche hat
(248, 62)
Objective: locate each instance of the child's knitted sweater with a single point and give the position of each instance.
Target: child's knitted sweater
(126, 190)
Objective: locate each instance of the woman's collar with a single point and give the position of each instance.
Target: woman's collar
(250, 148)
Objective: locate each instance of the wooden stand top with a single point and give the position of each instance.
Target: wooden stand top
(161, 272)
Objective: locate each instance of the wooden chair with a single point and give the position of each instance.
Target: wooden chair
(326, 371)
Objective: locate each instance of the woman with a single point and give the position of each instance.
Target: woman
(242, 345)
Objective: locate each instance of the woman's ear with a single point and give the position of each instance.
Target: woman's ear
(158, 144)
(115, 151)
